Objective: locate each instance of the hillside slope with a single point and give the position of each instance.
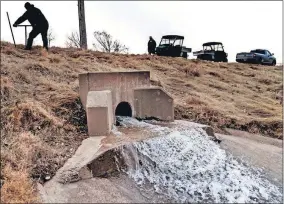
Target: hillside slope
(43, 122)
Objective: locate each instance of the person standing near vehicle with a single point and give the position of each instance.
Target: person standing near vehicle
(151, 46)
(38, 22)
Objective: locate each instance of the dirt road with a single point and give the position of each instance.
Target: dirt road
(261, 152)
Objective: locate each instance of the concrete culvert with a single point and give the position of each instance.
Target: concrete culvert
(123, 109)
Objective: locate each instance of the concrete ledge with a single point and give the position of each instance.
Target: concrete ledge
(95, 156)
(83, 88)
(121, 84)
(208, 129)
(153, 102)
(75, 167)
(99, 112)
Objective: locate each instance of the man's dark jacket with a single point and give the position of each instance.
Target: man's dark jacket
(151, 45)
(34, 16)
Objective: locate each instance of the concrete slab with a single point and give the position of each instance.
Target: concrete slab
(99, 112)
(73, 169)
(94, 190)
(153, 102)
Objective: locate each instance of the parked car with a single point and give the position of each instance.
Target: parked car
(172, 45)
(258, 56)
(212, 51)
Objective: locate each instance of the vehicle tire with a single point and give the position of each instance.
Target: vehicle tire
(208, 58)
(260, 61)
(184, 55)
(273, 63)
(201, 57)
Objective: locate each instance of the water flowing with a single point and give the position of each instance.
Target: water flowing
(183, 165)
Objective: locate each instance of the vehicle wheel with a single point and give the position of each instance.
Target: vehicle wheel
(184, 55)
(208, 58)
(201, 57)
(260, 61)
(273, 63)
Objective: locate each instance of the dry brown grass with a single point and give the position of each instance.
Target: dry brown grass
(43, 122)
(18, 187)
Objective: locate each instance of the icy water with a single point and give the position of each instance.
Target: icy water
(184, 165)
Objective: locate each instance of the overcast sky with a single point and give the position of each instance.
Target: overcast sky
(239, 25)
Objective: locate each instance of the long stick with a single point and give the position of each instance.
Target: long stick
(23, 25)
(11, 29)
(25, 35)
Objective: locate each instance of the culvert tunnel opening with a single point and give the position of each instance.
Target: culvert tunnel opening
(123, 109)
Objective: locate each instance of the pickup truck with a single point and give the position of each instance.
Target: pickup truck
(258, 56)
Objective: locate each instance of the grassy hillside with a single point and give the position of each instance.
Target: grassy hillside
(43, 122)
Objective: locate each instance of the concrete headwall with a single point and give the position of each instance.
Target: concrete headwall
(121, 85)
(102, 92)
(153, 102)
(99, 112)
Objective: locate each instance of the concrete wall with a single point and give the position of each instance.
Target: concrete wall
(99, 112)
(121, 85)
(153, 102)
(101, 92)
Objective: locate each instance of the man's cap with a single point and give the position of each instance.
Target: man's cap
(28, 5)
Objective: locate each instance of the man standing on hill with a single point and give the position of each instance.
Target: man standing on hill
(151, 46)
(38, 22)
